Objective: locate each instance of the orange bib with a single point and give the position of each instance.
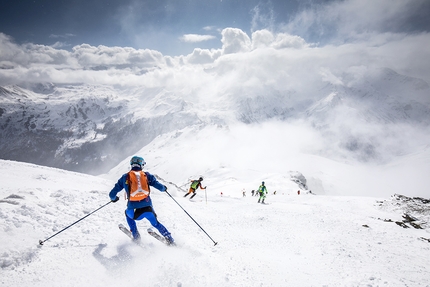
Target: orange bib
(138, 183)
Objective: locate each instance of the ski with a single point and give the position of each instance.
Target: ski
(125, 230)
(159, 237)
(150, 232)
(128, 233)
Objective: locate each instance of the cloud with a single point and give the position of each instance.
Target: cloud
(59, 45)
(263, 17)
(194, 38)
(209, 28)
(289, 41)
(279, 71)
(83, 64)
(282, 59)
(119, 57)
(235, 41)
(265, 38)
(346, 21)
(67, 35)
(8, 49)
(29, 54)
(327, 76)
(203, 56)
(262, 38)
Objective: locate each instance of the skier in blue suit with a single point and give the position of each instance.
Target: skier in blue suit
(136, 184)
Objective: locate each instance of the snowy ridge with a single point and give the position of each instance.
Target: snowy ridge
(298, 240)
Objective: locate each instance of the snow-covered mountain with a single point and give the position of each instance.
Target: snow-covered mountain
(91, 128)
(295, 240)
(82, 128)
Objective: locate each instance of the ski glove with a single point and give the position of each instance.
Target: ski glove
(165, 188)
(116, 199)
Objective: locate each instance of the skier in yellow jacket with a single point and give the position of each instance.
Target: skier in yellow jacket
(262, 190)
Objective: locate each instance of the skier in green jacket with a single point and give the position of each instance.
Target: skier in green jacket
(194, 185)
(262, 190)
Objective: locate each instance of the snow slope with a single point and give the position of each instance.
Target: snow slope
(295, 240)
(240, 155)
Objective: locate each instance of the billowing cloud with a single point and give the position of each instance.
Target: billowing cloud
(235, 41)
(83, 64)
(119, 57)
(281, 58)
(262, 38)
(203, 56)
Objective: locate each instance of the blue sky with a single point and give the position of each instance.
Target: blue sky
(158, 25)
(175, 27)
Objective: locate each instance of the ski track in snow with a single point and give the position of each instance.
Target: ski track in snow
(295, 240)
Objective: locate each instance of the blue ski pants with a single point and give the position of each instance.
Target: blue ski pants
(132, 215)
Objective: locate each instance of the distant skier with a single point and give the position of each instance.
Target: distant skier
(194, 185)
(252, 192)
(243, 193)
(136, 184)
(262, 190)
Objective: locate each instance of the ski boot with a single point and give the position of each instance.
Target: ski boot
(170, 240)
(136, 235)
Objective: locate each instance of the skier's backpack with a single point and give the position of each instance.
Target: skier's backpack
(195, 184)
(138, 185)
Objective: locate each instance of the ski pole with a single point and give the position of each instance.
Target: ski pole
(206, 196)
(43, 241)
(215, 243)
(184, 184)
